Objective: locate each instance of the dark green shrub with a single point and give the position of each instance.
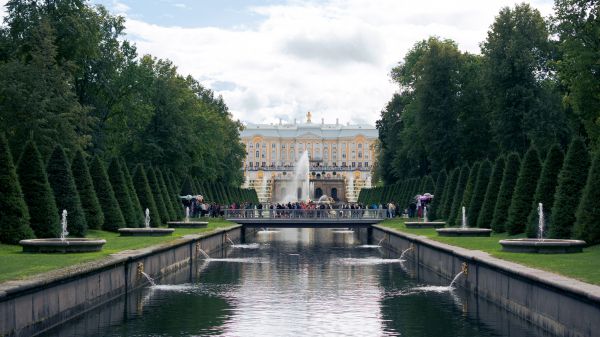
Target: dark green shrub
(119, 185)
(66, 195)
(571, 181)
(507, 187)
(437, 194)
(132, 194)
(448, 193)
(587, 225)
(87, 195)
(167, 196)
(546, 187)
(113, 218)
(455, 209)
(140, 182)
(482, 180)
(157, 194)
(187, 188)
(522, 199)
(14, 216)
(44, 218)
(486, 214)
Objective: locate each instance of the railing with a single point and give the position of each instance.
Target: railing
(322, 214)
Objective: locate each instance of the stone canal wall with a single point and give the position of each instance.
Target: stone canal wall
(34, 305)
(557, 304)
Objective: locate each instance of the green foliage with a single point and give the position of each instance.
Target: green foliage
(38, 193)
(571, 181)
(486, 214)
(117, 181)
(132, 193)
(470, 186)
(157, 194)
(167, 196)
(87, 195)
(446, 202)
(507, 187)
(457, 197)
(66, 195)
(427, 186)
(520, 205)
(14, 216)
(187, 188)
(577, 24)
(440, 186)
(478, 195)
(140, 182)
(546, 187)
(587, 225)
(113, 217)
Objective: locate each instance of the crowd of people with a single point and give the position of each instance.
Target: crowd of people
(200, 208)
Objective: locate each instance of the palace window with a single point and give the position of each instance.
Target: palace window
(353, 164)
(360, 146)
(366, 164)
(257, 154)
(359, 154)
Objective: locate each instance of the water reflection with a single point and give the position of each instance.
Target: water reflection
(300, 282)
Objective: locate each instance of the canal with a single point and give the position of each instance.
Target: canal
(300, 282)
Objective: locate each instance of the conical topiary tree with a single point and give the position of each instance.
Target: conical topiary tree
(175, 195)
(470, 187)
(44, 218)
(94, 217)
(454, 218)
(165, 194)
(437, 194)
(66, 195)
(157, 194)
(14, 216)
(546, 187)
(507, 187)
(113, 217)
(132, 194)
(140, 182)
(448, 193)
(571, 181)
(522, 199)
(587, 224)
(187, 188)
(486, 214)
(428, 185)
(482, 180)
(119, 185)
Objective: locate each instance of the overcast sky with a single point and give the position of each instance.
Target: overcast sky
(276, 59)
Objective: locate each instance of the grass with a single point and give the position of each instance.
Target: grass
(15, 265)
(582, 266)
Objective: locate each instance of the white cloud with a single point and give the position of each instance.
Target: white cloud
(119, 8)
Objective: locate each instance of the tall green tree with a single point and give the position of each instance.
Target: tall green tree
(446, 202)
(167, 197)
(571, 181)
(522, 199)
(142, 188)
(119, 185)
(65, 191)
(470, 186)
(478, 195)
(38, 193)
(132, 193)
(577, 23)
(486, 214)
(587, 225)
(507, 188)
(87, 194)
(14, 216)
(157, 194)
(546, 187)
(516, 54)
(113, 217)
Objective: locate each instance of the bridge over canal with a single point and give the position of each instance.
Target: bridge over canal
(311, 218)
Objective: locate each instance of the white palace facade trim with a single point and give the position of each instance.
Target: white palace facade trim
(341, 157)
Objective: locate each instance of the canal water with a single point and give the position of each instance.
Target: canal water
(300, 282)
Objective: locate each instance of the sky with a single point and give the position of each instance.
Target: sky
(279, 59)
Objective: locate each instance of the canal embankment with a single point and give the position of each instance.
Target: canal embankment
(31, 306)
(560, 305)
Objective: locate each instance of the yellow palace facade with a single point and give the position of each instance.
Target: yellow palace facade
(340, 157)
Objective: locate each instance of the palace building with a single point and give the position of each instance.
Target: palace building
(340, 159)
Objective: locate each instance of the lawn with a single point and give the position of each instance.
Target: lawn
(15, 264)
(582, 266)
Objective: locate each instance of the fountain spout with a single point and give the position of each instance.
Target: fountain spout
(541, 221)
(147, 219)
(410, 248)
(464, 218)
(187, 214)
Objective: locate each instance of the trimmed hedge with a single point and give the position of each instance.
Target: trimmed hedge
(121, 190)
(87, 194)
(504, 198)
(478, 195)
(140, 182)
(486, 214)
(587, 225)
(520, 205)
(113, 218)
(14, 215)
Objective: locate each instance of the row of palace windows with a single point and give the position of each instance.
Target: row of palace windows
(344, 164)
(317, 153)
